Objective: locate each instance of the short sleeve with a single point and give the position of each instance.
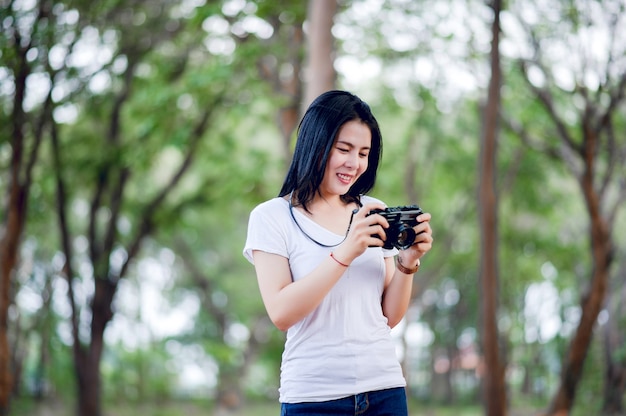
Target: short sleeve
(266, 231)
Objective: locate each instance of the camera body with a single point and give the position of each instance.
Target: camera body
(402, 219)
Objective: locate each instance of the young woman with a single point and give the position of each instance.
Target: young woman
(323, 274)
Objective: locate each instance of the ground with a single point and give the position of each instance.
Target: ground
(57, 408)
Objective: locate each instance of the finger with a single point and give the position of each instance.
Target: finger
(423, 227)
(377, 230)
(381, 220)
(424, 244)
(425, 217)
(373, 218)
(375, 242)
(423, 248)
(422, 235)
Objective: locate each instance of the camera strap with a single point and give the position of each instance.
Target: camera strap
(354, 211)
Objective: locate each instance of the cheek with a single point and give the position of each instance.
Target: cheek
(363, 165)
(334, 160)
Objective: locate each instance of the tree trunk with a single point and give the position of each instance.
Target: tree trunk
(230, 394)
(320, 72)
(574, 360)
(46, 327)
(614, 345)
(593, 160)
(87, 360)
(494, 388)
(8, 261)
(593, 300)
(452, 353)
(14, 224)
(289, 114)
(88, 380)
(288, 87)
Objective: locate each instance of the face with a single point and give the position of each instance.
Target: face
(348, 159)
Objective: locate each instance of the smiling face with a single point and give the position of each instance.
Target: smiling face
(348, 159)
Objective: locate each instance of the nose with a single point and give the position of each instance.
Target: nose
(352, 159)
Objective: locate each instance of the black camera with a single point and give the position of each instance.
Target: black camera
(400, 233)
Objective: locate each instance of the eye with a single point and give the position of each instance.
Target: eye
(343, 150)
(363, 155)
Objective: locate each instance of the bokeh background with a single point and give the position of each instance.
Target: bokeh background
(137, 135)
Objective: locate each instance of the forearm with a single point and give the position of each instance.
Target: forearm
(397, 297)
(298, 299)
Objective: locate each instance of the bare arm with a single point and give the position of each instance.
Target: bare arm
(398, 285)
(287, 301)
(397, 295)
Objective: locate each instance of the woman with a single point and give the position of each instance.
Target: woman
(323, 274)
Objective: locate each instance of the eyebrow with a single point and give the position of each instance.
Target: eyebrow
(351, 145)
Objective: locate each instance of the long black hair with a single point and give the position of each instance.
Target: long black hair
(317, 133)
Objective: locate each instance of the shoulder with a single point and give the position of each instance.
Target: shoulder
(273, 205)
(270, 211)
(268, 228)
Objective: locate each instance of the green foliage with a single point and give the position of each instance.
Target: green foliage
(431, 128)
(137, 376)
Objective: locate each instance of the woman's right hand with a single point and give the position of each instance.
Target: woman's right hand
(365, 231)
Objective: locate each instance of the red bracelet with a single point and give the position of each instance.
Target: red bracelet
(334, 258)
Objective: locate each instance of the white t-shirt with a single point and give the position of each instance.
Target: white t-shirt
(344, 346)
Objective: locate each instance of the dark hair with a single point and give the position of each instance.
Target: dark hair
(317, 133)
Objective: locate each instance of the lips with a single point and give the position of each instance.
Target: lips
(345, 178)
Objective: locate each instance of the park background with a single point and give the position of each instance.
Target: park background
(137, 135)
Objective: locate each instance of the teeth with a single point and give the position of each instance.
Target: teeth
(344, 177)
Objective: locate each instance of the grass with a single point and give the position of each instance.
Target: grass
(205, 408)
(173, 408)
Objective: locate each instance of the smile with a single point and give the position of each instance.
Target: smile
(344, 178)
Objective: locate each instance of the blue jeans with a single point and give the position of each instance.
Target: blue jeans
(390, 402)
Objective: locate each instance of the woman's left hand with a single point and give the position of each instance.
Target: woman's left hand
(423, 242)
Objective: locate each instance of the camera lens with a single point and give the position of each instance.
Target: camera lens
(406, 237)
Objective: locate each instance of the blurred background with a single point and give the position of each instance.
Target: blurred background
(137, 135)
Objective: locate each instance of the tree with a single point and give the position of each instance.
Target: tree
(26, 133)
(320, 72)
(236, 360)
(93, 160)
(280, 63)
(494, 386)
(588, 144)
